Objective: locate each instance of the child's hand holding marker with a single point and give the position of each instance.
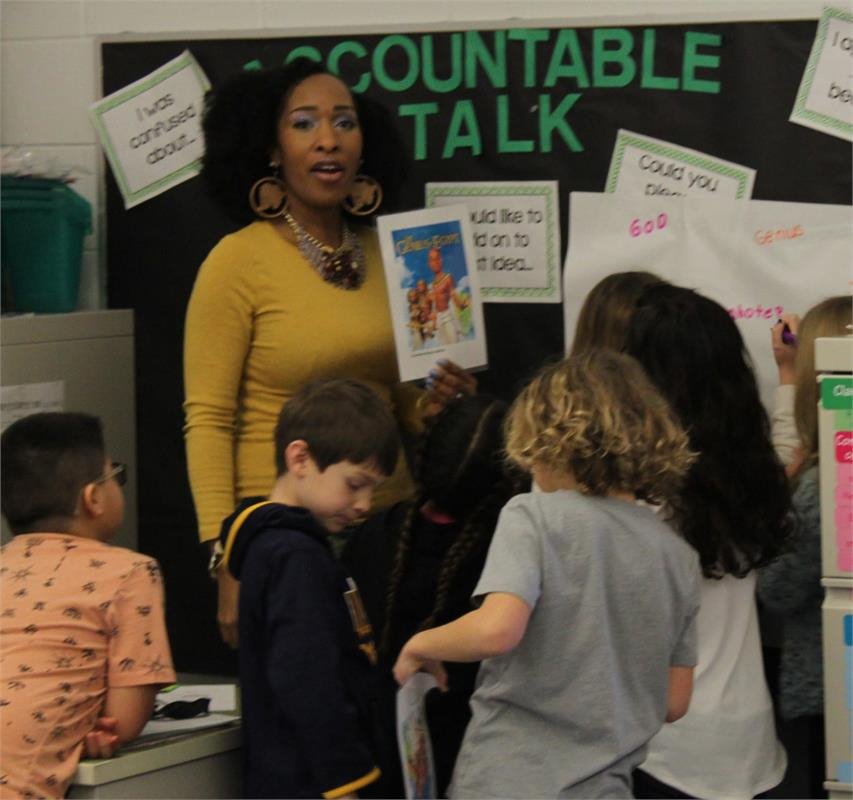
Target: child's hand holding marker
(784, 339)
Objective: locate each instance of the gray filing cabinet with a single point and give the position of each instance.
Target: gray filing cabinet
(88, 355)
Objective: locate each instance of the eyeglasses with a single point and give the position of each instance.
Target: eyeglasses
(118, 471)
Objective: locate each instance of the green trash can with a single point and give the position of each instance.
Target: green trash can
(43, 225)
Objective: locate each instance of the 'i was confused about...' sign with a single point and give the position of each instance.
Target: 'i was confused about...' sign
(825, 99)
(151, 129)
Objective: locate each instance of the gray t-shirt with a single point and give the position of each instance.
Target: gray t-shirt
(569, 711)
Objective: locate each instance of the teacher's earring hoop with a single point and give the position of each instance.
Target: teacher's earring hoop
(365, 196)
(268, 197)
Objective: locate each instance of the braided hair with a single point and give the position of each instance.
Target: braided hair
(480, 524)
(462, 474)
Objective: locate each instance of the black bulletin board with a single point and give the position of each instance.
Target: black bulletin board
(475, 104)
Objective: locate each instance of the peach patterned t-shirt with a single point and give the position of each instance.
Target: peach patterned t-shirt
(77, 616)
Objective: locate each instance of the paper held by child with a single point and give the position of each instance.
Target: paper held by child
(413, 737)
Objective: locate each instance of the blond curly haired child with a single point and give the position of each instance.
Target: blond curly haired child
(587, 599)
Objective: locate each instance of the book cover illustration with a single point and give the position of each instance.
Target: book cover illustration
(432, 288)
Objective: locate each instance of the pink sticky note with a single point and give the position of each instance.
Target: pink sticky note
(845, 559)
(844, 526)
(844, 447)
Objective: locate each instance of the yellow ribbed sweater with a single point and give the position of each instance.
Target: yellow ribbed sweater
(260, 324)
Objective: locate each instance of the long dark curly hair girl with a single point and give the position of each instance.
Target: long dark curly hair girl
(735, 503)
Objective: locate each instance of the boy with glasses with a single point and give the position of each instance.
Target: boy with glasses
(84, 642)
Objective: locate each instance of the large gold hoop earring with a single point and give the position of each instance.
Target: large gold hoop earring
(365, 196)
(268, 197)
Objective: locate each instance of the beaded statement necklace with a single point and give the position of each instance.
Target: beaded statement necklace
(343, 267)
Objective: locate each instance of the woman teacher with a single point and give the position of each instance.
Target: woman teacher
(296, 295)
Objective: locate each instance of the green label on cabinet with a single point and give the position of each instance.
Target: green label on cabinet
(837, 393)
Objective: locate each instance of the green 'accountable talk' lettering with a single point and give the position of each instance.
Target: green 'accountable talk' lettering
(463, 131)
(444, 64)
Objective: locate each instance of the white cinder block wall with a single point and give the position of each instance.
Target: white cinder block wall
(48, 76)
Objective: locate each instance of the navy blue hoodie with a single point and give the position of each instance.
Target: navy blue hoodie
(305, 675)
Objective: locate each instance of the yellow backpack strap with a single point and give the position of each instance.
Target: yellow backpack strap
(236, 525)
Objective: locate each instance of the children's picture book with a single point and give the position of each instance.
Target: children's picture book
(430, 269)
(413, 737)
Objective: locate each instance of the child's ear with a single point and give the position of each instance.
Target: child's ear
(297, 457)
(91, 502)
